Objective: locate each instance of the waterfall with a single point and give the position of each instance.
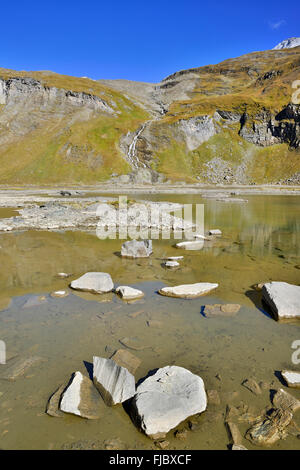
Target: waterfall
(131, 150)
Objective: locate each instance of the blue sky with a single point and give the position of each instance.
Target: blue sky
(138, 40)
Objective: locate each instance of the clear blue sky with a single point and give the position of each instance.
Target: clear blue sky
(138, 40)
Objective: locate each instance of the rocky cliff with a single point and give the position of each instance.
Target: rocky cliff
(234, 122)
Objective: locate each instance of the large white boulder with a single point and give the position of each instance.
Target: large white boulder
(97, 283)
(137, 249)
(81, 398)
(188, 291)
(167, 398)
(283, 299)
(115, 383)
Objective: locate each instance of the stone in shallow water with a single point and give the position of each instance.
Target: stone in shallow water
(171, 264)
(286, 401)
(137, 249)
(166, 398)
(225, 310)
(115, 383)
(126, 359)
(59, 293)
(98, 283)
(292, 378)
(252, 386)
(81, 398)
(129, 293)
(19, 368)
(283, 299)
(53, 403)
(190, 245)
(271, 428)
(134, 343)
(215, 232)
(188, 291)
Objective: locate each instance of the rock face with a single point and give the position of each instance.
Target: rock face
(97, 283)
(81, 398)
(188, 291)
(292, 378)
(167, 398)
(115, 383)
(283, 299)
(137, 249)
(129, 293)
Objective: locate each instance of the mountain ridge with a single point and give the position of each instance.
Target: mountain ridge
(232, 122)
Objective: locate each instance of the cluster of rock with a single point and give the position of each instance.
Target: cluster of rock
(158, 404)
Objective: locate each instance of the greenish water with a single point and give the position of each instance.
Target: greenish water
(261, 241)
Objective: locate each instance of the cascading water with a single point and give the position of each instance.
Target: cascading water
(133, 159)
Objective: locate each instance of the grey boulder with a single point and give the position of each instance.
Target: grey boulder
(137, 249)
(115, 383)
(97, 283)
(283, 299)
(167, 398)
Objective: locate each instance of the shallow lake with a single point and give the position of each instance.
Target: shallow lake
(260, 242)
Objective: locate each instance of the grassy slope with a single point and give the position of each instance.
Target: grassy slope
(39, 157)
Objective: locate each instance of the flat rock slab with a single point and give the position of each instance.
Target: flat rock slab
(166, 398)
(190, 245)
(285, 401)
(81, 398)
(137, 249)
(283, 299)
(115, 383)
(125, 358)
(97, 283)
(54, 402)
(19, 368)
(292, 378)
(215, 232)
(224, 310)
(188, 291)
(129, 293)
(270, 428)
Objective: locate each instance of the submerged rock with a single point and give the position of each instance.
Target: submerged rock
(283, 299)
(271, 428)
(98, 283)
(126, 359)
(252, 386)
(129, 293)
(215, 232)
(286, 401)
(81, 398)
(59, 293)
(115, 383)
(292, 378)
(166, 398)
(188, 291)
(137, 249)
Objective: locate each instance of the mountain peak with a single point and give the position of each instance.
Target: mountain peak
(288, 43)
